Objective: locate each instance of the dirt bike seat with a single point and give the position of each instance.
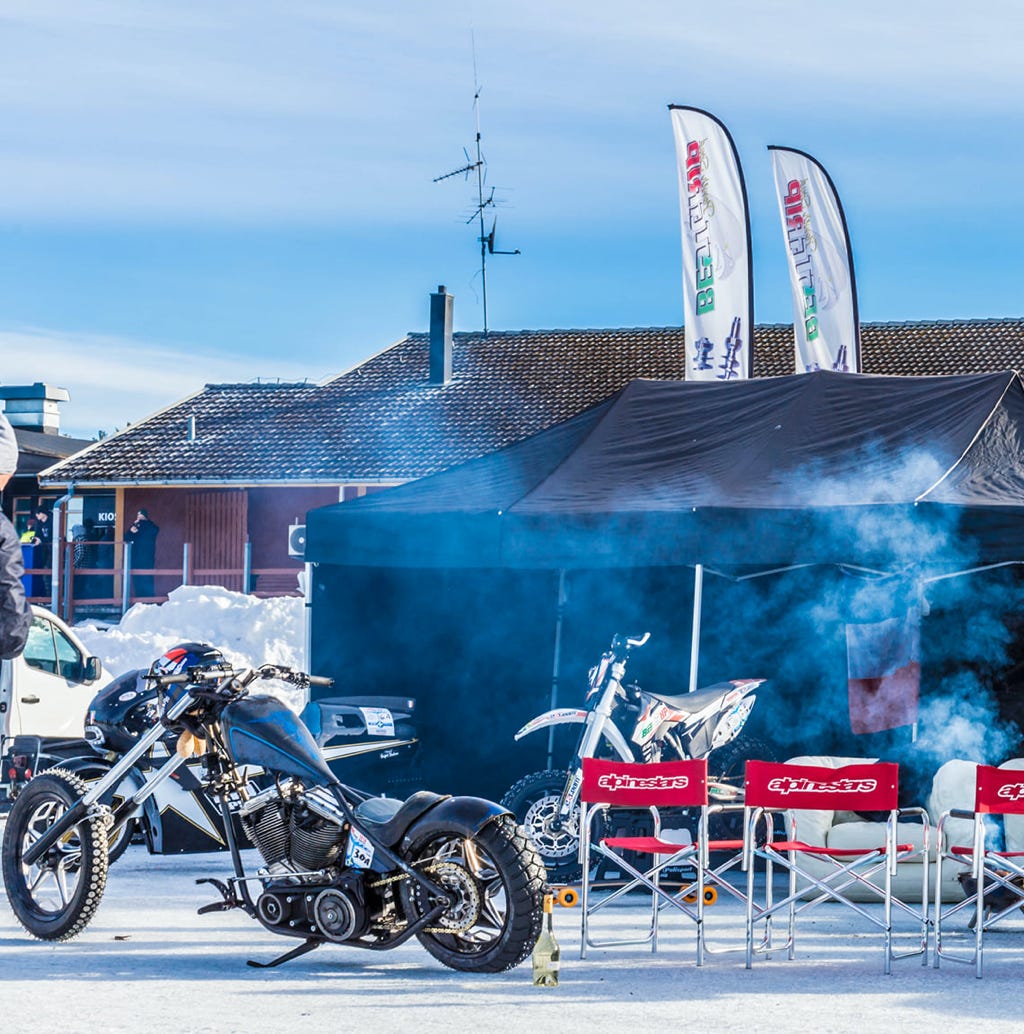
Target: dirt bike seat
(388, 819)
(691, 703)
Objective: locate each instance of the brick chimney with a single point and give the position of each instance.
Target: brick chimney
(33, 407)
(442, 305)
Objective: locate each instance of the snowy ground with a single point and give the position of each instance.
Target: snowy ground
(148, 962)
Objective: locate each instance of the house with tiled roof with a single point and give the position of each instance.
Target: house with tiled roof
(227, 471)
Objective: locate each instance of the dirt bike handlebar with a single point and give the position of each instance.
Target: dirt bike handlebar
(629, 642)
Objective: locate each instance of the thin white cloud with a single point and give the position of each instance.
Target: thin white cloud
(114, 382)
(314, 109)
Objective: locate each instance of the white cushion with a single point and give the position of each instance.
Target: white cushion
(872, 834)
(953, 788)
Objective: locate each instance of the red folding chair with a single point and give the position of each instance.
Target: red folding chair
(997, 876)
(774, 788)
(609, 785)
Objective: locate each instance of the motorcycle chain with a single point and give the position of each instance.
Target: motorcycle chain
(390, 879)
(104, 813)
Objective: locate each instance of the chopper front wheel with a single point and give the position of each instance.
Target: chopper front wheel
(55, 898)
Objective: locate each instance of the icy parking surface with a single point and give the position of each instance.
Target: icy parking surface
(148, 962)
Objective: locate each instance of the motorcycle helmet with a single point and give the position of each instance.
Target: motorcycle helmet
(121, 712)
(181, 658)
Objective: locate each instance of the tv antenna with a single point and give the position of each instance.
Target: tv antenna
(482, 203)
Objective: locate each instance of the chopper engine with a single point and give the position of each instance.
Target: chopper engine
(295, 830)
(300, 835)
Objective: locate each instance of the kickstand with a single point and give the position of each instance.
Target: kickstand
(306, 946)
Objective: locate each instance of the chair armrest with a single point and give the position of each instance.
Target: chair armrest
(952, 814)
(922, 814)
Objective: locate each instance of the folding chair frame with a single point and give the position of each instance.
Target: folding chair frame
(990, 869)
(695, 855)
(850, 866)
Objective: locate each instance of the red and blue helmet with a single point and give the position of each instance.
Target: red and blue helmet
(185, 656)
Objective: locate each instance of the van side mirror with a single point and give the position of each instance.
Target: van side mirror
(93, 669)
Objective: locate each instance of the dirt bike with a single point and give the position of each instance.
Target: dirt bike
(338, 866)
(621, 720)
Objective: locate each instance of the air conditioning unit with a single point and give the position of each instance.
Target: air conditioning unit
(297, 540)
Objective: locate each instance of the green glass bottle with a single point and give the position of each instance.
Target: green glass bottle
(546, 953)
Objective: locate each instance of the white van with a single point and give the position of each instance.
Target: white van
(44, 696)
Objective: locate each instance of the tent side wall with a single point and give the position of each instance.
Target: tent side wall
(473, 647)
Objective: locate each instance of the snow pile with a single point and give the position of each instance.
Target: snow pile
(247, 630)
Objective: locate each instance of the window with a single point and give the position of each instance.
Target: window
(69, 658)
(40, 651)
(49, 649)
(21, 512)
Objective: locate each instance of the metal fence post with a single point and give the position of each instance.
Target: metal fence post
(185, 549)
(247, 567)
(126, 578)
(68, 583)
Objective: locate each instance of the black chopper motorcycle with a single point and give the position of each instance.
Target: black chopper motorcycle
(369, 740)
(339, 865)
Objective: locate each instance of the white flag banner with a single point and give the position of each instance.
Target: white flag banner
(825, 322)
(717, 283)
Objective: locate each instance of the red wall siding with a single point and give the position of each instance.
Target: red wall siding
(271, 511)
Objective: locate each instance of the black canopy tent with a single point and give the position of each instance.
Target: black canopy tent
(760, 472)
(881, 472)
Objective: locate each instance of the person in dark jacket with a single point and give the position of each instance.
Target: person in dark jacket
(15, 613)
(142, 536)
(44, 530)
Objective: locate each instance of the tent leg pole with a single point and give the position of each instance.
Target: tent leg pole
(556, 663)
(698, 594)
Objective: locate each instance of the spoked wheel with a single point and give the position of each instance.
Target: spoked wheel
(534, 802)
(55, 898)
(494, 884)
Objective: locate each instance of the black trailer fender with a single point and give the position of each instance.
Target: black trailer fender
(464, 814)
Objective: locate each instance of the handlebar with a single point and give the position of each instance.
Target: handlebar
(238, 678)
(629, 642)
(278, 671)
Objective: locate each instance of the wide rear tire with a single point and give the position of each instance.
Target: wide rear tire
(498, 882)
(55, 898)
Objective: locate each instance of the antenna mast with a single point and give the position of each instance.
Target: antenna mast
(478, 166)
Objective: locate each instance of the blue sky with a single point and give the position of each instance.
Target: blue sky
(196, 191)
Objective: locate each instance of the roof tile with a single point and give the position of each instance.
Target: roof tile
(384, 421)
